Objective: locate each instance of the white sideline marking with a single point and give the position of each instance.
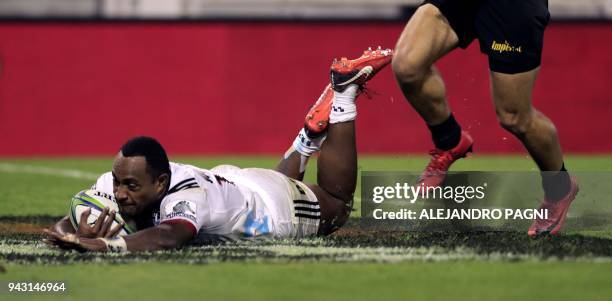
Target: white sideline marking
(40, 170)
(292, 253)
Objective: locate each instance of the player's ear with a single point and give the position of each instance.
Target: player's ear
(162, 182)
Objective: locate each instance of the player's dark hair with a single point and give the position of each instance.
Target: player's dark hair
(152, 150)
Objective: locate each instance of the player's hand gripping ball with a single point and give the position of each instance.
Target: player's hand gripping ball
(100, 212)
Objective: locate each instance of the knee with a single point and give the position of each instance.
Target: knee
(518, 123)
(409, 63)
(408, 70)
(430, 10)
(334, 217)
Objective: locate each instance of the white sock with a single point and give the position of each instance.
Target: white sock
(343, 106)
(306, 146)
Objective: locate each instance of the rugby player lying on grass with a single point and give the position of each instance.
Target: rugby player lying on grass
(171, 204)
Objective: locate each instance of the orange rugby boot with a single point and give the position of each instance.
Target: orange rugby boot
(358, 71)
(344, 72)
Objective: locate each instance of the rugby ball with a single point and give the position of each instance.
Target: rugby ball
(96, 200)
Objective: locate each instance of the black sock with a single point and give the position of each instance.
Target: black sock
(447, 134)
(556, 184)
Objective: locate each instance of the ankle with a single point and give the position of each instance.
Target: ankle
(343, 106)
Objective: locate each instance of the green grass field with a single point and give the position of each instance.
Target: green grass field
(350, 264)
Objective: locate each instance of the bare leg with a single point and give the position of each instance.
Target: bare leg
(512, 98)
(337, 163)
(337, 176)
(425, 39)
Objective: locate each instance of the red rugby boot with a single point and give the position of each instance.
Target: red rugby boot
(318, 117)
(441, 160)
(358, 71)
(557, 211)
(343, 73)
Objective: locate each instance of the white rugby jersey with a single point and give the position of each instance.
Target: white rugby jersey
(208, 202)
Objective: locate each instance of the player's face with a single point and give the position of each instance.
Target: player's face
(134, 188)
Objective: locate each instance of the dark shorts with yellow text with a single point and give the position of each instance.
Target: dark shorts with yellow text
(510, 32)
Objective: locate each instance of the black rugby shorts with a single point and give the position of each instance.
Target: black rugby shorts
(510, 32)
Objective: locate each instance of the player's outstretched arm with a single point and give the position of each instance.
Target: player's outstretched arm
(64, 226)
(161, 237)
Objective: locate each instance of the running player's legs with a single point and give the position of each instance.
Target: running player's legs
(427, 37)
(436, 28)
(512, 98)
(514, 51)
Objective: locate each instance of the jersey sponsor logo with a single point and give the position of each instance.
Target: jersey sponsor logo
(182, 215)
(505, 47)
(181, 208)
